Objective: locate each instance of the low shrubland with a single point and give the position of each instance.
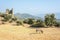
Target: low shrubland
(49, 20)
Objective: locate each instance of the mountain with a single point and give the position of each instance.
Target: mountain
(58, 20)
(57, 15)
(25, 16)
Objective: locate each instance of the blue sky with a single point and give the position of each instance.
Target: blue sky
(34, 7)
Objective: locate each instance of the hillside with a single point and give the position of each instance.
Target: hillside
(9, 32)
(25, 16)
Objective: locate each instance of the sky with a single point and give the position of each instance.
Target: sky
(34, 7)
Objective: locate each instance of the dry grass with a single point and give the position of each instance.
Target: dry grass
(9, 32)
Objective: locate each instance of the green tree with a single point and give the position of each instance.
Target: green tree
(50, 19)
(53, 19)
(47, 19)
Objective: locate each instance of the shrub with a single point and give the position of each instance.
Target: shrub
(38, 25)
(19, 23)
(6, 17)
(25, 21)
(3, 15)
(28, 21)
(14, 19)
(57, 24)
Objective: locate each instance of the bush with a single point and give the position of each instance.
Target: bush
(3, 15)
(38, 25)
(19, 23)
(14, 19)
(25, 21)
(57, 24)
(28, 21)
(6, 17)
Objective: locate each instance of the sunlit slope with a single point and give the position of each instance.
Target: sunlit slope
(9, 32)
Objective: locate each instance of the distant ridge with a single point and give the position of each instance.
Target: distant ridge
(58, 20)
(25, 16)
(57, 15)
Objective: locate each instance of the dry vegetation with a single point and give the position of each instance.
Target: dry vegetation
(9, 32)
(13, 29)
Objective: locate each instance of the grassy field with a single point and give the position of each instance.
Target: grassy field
(9, 32)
